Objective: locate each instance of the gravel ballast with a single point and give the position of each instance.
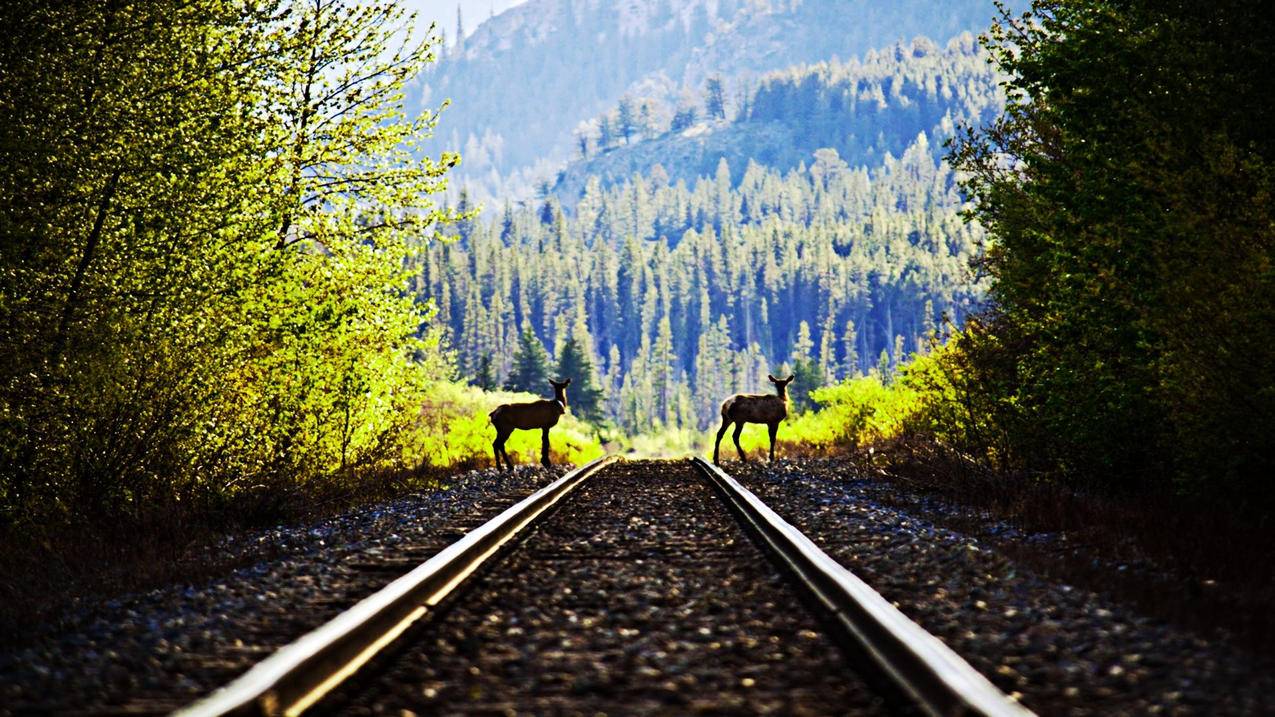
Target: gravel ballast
(640, 595)
(1063, 650)
(153, 652)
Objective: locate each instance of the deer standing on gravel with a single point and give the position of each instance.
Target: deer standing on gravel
(529, 416)
(754, 408)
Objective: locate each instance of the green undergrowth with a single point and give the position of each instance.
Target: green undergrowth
(455, 430)
(851, 414)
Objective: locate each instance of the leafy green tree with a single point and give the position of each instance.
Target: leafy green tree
(205, 267)
(1140, 136)
(530, 371)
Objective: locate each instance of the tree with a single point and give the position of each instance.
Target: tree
(683, 119)
(460, 31)
(807, 376)
(646, 121)
(1139, 134)
(530, 372)
(200, 261)
(850, 350)
(485, 377)
(605, 135)
(714, 98)
(804, 345)
(828, 347)
(626, 121)
(585, 395)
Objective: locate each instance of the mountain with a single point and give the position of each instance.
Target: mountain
(525, 79)
(680, 294)
(866, 110)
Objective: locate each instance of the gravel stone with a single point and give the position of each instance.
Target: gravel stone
(639, 595)
(154, 652)
(1063, 650)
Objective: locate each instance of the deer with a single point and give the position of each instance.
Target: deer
(541, 414)
(754, 408)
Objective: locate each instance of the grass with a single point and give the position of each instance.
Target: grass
(457, 431)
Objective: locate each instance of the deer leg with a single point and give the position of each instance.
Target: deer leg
(774, 431)
(498, 447)
(544, 447)
(720, 434)
(739, 428)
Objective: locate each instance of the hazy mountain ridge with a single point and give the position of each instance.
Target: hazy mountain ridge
(526, 78)
(865, 109)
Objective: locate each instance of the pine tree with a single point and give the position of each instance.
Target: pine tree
(883, 367)
(485, 377)
(530, 371)
(507, 224)
(605, 134)
(715, 98)
(850, 350)
(585, 396)
(626, 121)
(827, 347)
(683, 118)
(804, 345)
(807, 376)
(460, 31)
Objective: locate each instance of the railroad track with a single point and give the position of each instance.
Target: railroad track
(621, 587)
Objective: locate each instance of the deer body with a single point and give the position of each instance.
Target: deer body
(542, 414)
(754, 408)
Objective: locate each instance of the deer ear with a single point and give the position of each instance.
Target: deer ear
(790, 378)
(772, 378)
(566, 383)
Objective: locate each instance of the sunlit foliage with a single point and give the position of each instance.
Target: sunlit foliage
(206, 217)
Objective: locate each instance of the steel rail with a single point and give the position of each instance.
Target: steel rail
(926, 670)
(301, 673)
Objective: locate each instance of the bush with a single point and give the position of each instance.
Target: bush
(851, 414)
(453, 429)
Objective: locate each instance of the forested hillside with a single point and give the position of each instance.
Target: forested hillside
(864, 108)
(523, 81)
(685, 293)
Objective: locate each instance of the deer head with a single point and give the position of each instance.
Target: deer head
(560, 391)
(781, 385)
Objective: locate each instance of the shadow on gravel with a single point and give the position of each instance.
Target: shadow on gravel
(93, 559)
(1196, 565)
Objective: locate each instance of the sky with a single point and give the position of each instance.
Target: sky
(444, 11)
